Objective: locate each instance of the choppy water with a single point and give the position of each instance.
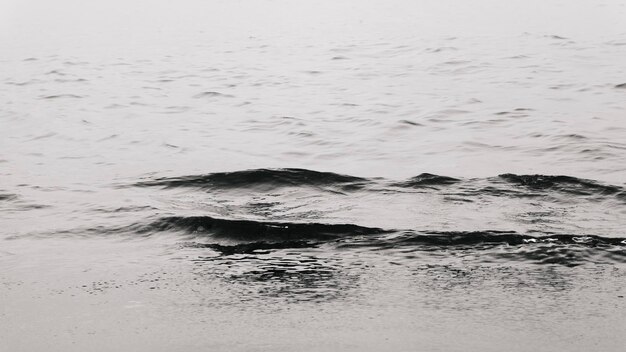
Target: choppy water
(277, 175)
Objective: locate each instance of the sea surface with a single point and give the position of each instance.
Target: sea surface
(280, 175)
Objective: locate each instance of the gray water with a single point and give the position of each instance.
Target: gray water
(299, 175)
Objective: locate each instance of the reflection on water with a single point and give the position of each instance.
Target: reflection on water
(162, 286)
(289, 276)
(476, 276)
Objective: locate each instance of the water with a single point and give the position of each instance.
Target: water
(278, 175)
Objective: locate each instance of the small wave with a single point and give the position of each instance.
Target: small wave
(258, 178)
(61, 96)
(73, 80)
(475, 246)
(296, 234)
(473, 238)
(7, 197)
(249, 237)
(252, 247)
(426, 179)
(24, 83)
(560, 183)
(411, 123)
(502, 247)
(212, 95)
(249, 230)
(505, 185)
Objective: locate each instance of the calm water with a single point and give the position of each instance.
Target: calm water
(313, 175)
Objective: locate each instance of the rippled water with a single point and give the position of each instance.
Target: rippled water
(281, 175)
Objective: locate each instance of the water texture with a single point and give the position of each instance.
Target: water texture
(312, 175)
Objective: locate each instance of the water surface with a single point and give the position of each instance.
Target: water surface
(278, 175)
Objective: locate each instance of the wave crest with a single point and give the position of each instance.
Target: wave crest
(258, 230)
(258, 178)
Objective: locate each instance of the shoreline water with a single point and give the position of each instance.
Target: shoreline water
(312, 175)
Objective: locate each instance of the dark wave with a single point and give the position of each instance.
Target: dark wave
(294, 233)
(426, 180)
(4, 196)
(436, 241)
(471, 246)
(503, 247)
(477, 238)
(568, 184)
(252, 247)
(259, 178)
(509, 185)
(249, 230)
(249, 237)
